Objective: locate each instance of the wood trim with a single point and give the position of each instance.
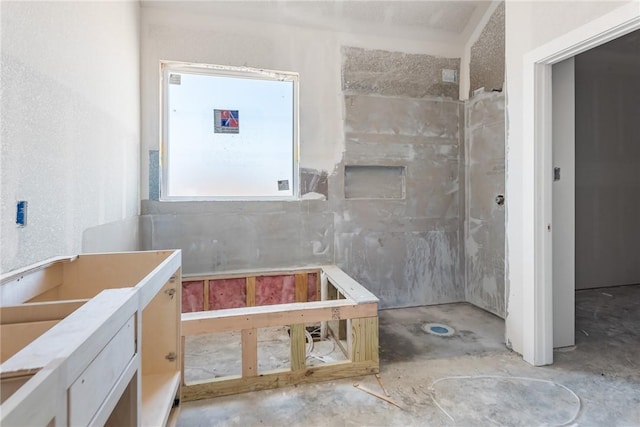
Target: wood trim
(232, 385)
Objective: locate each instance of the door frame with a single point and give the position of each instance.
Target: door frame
(537, 130)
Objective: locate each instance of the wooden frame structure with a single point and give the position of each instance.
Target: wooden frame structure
(92, 340)
(346, 310)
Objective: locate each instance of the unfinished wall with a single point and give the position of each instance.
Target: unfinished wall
(484, 225)
(218, 236)
(608, 164)
(70, 126)
(406, 248)
(223, 236)
(401, 237)
(486, 66)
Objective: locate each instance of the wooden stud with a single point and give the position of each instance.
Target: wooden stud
(251, 291)
(342, 324)
(206, 289)
(249, 352)
(234, 384)
(301, 287)
(298, 347)
(363, 344)
(357, 344)
(371, 338)
(318, 286)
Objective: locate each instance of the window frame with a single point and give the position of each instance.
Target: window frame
(167, 67)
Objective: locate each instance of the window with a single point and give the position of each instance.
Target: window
(228, 133)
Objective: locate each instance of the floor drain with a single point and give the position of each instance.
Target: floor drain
(438, 329)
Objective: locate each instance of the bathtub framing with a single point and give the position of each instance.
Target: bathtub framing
(342, 299)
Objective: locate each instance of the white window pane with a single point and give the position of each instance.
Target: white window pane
(250, 163)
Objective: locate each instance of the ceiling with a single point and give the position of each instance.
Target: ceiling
(406, 19)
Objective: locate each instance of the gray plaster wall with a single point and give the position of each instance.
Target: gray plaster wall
(397, 73)
(485, 220)
(487, 59)
(223, 236)
(116, 236)
(70, 126)
(608, 164)
(407, 250)
(403, 240)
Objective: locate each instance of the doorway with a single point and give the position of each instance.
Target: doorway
(537, 314)
(596, 178)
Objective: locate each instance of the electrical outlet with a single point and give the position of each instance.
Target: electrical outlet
(21, 213)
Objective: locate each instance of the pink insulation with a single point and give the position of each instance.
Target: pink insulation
(275, 290)
(227, 293)
(192, 296)
(312, 287)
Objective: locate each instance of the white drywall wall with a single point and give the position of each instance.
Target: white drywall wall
(70, 124)
(313, 53)
(529, 25)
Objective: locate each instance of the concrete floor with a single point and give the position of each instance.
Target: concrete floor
(422, 373)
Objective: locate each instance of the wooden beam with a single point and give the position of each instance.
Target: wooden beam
(301, 287)
(298, 347)
(206, 290)
(251, 291)
(249, 352)
(238, 274)
(234, 384)
(234, 319)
